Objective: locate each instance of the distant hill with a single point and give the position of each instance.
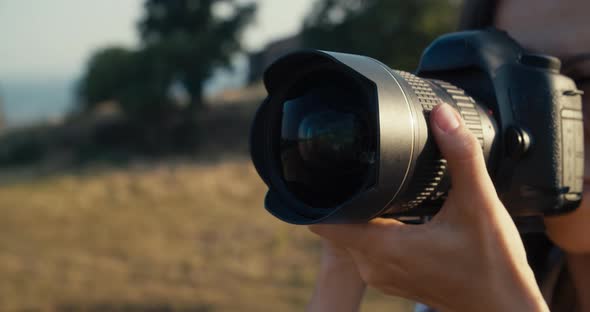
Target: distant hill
(27, 101)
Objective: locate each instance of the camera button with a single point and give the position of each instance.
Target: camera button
(517, 142)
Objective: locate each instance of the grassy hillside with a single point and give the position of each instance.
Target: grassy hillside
(167, 237)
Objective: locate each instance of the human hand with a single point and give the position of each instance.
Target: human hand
(469, 257)
(339, 285)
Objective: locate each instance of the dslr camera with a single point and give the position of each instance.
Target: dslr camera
(343, 138)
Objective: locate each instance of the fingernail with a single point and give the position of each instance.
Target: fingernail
(445, 118)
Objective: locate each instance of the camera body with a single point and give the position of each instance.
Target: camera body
(539, 163)
(327, 108)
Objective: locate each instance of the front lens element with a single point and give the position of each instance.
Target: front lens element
(330, 139)
(325, 145)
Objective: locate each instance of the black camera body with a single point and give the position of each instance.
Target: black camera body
(540, 164)
(344, 138)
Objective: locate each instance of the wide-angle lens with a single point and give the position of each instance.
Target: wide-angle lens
(325, 147)
(330, 140)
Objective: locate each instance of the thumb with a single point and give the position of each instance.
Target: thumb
(462, 151)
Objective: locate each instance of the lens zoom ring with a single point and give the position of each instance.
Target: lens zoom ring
(426, 97)
(425, 184)
(429, 173)
(466, 106)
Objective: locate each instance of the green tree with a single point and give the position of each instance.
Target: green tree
(106, 73)
(190, 38)
(181, 40)
(393, 31)
(131, 78)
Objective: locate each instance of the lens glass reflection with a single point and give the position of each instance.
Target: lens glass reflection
(325, 141)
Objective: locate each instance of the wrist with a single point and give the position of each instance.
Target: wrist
(525, 293)
(339, 286)
(531, 300)
(505, 291)
(527, 301)
(341, 275)
(521, 293)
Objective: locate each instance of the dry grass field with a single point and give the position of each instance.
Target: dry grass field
(173, 236)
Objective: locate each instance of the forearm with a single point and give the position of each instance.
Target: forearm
(529, 299)
(509, 291)
(339, 287)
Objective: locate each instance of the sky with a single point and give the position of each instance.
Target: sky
(45, 44)
(55, 38)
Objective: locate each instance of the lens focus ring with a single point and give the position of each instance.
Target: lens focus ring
(466, 106)
(430, 172)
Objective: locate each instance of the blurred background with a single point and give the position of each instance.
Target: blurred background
(125, 180)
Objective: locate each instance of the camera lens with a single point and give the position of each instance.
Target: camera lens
(324, 148)
(344, 138)
(330, 140)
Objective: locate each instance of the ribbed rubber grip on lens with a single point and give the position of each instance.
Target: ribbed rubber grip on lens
(422, 90)
(466, 106)
(429, 172)
(425, 183)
